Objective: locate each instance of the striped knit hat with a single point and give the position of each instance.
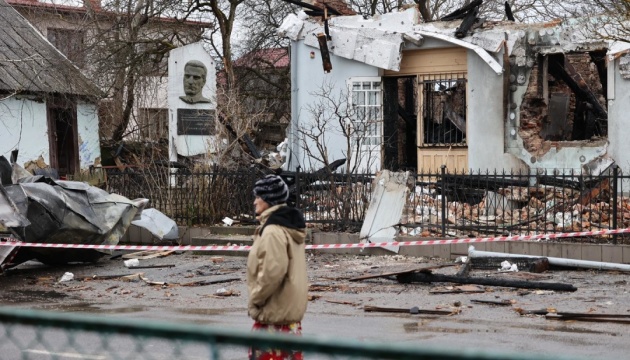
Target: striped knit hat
(272, 189)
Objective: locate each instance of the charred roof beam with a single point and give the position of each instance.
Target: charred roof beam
(565, 71)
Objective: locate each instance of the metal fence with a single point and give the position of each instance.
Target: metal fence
(441, 204)
(28, 334)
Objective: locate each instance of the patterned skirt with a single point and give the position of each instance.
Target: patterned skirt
(276, 354)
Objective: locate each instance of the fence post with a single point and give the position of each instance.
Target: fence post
(615, 205)
(297, 186)
(443, 170)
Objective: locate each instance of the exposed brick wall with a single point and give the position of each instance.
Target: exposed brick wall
(534, 111)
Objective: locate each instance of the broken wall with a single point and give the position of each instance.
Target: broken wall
(619, 115)
(485, 133)
(23, 126)
(547, 125)
(555, 117)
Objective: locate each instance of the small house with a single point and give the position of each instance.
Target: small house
(393, 92)
(48, 109)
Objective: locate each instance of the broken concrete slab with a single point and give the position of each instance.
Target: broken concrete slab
(385, 209)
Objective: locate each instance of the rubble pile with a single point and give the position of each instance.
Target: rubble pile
(513, 210)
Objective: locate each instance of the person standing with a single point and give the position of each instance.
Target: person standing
(276, 267)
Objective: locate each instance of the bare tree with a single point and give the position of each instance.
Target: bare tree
(334, 117)
(225, 13)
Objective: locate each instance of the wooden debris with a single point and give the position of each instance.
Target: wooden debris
(341, 302)
(493, 302)
(430, 278)
(159, 283)
(591, 315)
(149, 254)
(106, 277)
(133, 277)
(210, 281)
(457, 289)
(226, 293)
(312, 297)
(154, 266)
(553, 314)
(589, 319)
(413, 310)
(464, 269)
(80, 288)
(315, 287)
(387, 274)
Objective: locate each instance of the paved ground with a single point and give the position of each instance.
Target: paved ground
(337, 305)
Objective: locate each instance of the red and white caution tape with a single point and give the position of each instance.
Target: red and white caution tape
(322, 246)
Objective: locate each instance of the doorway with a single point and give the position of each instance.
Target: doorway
(62, 134)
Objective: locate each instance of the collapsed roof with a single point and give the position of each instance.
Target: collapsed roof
(379, 40)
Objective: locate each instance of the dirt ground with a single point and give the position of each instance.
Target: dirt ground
(211, 289)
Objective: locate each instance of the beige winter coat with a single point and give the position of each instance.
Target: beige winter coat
(276, 268)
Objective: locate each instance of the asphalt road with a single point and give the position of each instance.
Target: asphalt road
(337, 306)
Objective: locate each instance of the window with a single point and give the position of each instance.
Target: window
(69, 42)
(367, 122)
(366, 103)
(443, 109)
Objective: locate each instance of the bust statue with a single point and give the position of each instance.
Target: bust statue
(195, 73)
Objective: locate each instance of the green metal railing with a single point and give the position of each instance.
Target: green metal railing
(29, 334)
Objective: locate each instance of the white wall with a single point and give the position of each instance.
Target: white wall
(23, 126)
(485, 128)
(89, 145)
(308, 78)
(619, 120)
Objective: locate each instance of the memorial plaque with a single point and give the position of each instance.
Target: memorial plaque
(195, 122)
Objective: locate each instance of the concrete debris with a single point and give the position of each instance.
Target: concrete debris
(385, 208)
(158, 224)
(506, 266)
(132, 263)
(67, 277)
(512, 209)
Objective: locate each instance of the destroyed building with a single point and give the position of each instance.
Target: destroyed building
(496, 95)
(48, 109)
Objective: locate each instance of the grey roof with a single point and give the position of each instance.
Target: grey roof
(29, 63)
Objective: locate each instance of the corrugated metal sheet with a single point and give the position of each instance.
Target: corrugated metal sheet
(29, 63)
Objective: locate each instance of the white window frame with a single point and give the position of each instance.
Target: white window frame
(371, 144)
(376, 136)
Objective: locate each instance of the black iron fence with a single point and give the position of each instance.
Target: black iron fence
(441, 204)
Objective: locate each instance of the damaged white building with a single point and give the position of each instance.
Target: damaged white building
(500, 95)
